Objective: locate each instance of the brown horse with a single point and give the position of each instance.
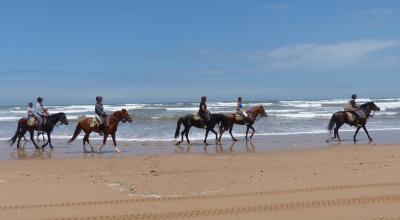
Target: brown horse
(340, 118)
(114, 119)
(47, 128)
(253, 112)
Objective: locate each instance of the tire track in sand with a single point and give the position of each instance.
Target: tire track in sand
(249, 209)
(186, 198)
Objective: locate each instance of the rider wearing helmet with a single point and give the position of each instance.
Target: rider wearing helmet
(241, 111)
(352, 107)
(101, 114)
(40, 113)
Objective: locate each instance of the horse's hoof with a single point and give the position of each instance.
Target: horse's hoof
(370, 139)
(178, 143)
(98, 152)
(205, 143)
(118, 151)
(340, 140)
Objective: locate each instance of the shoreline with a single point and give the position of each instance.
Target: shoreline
(259, 143)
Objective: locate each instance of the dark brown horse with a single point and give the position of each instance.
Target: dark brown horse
(188, 122)
(47, 128)
(114, 119)
(253, 113)
(37, 136)
(340, 118)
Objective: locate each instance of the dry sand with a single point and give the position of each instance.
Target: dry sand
(332, 182)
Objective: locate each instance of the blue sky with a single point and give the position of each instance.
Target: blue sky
(170, 51)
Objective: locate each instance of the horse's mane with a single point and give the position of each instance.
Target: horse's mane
(365, 105)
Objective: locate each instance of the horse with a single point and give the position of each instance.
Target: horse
(253, 112)
(51, 121)
(340, 118)
(188, 121)
(114, 119)
(37, 136)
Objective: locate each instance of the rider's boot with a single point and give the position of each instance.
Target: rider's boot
(40, 129)
(101, 128)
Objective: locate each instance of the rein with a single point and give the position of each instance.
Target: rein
(119, 120)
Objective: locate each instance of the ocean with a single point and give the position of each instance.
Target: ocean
(157, 121)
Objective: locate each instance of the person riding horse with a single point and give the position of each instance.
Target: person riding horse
(203, 111)
(40, 113)
(242, 111)
(352, 107)
(101, 115)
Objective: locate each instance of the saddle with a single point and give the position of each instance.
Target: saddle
(238, 117)
(32, 122)
(196, 117)
(94, 122)
(351, 116)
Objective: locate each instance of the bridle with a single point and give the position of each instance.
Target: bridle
(118, 119)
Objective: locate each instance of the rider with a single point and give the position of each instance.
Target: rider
(203, 111)
(241, 111)
(101, 114)
(40, 113)
(352, 107)
(30, 111)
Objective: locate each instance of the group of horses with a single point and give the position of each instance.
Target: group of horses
(225, 122)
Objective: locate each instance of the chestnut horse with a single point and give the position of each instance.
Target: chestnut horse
(47, 128)
(340, 118)
(253, 112)
(114, 119)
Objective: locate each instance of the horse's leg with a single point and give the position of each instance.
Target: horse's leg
(91, 146)
(179, 142)
(230, 132)
(365, 129)
(205, 139)
(104, 142)
(32, 139)
(336, 131)
(221, 131)
(354, 137)
(49, 140)
(216, 136)
(19, 138)
(187, 134)
(252, 132)
(86, 138)
(115, 143)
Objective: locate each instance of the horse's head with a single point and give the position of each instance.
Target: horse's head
(372, 105)
(262, 112)
(126, 116)
(63, 118)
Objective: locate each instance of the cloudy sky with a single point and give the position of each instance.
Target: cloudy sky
(170, 51)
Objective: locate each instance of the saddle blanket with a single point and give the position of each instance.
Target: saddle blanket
(196, 117)
(239, 117)
(93, 122)
(351, 116)
(32, 122)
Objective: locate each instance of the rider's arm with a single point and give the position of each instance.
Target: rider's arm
(100, 112)
(203, 108)
(37, 109)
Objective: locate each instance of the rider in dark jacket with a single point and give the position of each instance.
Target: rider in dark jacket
(101, 114)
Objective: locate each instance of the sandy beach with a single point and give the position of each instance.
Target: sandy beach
(334, 181)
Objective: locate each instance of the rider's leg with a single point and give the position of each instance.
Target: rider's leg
(101, 126)
(40, 121)
(204, 118)
(358, 116)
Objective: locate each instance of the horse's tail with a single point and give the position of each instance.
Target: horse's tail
(78, 130)
(331, 123)
(178, 127)
(16, 135)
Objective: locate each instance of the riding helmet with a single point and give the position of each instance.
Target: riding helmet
(98, 98)
(39, 99)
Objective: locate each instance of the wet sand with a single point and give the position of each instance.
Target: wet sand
(274, 177)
